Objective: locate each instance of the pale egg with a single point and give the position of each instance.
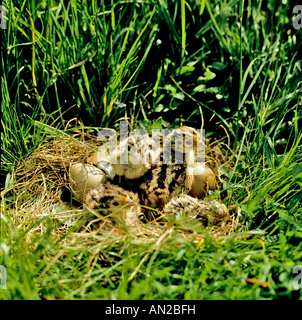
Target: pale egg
(204, 178)
(84, 177)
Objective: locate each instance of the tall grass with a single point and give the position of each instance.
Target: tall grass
(232, 66)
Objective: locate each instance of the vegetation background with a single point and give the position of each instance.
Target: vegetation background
(232, 66)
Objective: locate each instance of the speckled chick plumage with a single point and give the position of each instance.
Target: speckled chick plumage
(122, 204)
(139, 151)
(173, 174)
(205, 211)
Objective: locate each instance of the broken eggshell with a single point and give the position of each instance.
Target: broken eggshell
(102, 160)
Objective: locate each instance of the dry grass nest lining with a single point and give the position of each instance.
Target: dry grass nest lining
(40, 180)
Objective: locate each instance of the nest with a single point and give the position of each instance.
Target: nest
(41, 183)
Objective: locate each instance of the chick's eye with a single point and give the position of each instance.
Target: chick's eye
(115, 203)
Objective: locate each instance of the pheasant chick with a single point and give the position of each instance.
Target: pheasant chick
(173, 175)
(123, 205)
(205, 211)
(134, 156)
